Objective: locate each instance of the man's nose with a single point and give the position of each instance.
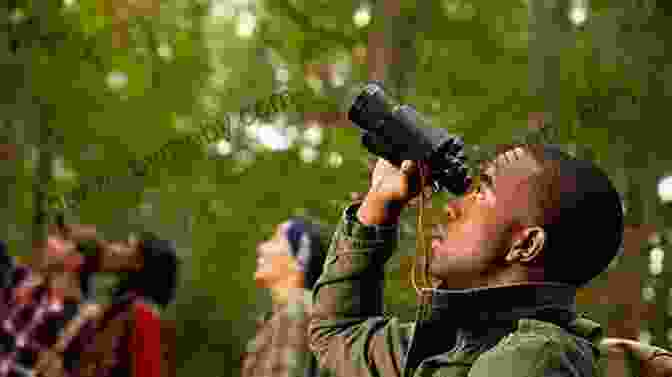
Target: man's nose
(452, 210)
(260, 249)
(265, 248)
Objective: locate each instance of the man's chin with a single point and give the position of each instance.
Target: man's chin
(433, 278)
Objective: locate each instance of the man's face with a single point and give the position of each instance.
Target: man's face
(470, 244)
(274, 261)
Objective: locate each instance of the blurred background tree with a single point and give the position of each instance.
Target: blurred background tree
(94, 84)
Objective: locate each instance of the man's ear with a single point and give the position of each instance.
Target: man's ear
(527, 245)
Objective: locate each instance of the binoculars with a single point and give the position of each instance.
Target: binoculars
(397, 132)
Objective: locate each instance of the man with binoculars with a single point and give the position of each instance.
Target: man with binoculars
(507, 257)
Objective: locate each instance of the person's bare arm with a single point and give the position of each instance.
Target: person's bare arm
(120, 256)
(60, 252)
(653, 361)
(109, 256)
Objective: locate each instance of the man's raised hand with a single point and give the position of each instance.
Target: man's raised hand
(390, 191)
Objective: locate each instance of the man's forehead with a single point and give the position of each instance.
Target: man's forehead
(513, 162)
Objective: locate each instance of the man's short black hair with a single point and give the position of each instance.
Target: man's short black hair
(583, 217)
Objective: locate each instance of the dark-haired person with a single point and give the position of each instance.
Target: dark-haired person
(138, 300)
(509, 256)
(49, 327)
(288, 264)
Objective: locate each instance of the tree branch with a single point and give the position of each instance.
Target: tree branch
(303, 21)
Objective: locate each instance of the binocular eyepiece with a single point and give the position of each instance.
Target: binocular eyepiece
(397, 132)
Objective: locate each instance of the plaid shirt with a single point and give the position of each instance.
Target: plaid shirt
(30, 327)
(280, 347)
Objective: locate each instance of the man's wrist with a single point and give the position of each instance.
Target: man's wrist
(356, 230)
(375, 210)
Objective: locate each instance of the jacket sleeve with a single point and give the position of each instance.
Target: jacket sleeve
(348, 332)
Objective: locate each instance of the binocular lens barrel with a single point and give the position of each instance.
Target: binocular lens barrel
(371, 106)
(398, 132)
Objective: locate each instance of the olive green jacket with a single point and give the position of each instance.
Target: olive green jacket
(523, 330)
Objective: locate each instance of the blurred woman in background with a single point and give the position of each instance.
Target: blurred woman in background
(288, 264)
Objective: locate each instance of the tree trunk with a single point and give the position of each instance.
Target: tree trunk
(9, 177)
(42, 178)
(549, 31)
(382, 53)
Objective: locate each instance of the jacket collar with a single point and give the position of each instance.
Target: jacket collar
(479, 317)
(505, 303)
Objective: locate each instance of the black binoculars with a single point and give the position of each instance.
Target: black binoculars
(397, 132)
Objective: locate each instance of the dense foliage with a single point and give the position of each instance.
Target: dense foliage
(117, 80)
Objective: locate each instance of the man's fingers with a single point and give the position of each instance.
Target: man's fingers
(409, 167)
